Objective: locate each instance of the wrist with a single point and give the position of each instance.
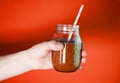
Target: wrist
(26, 61)
(32, 63)
(23, 60)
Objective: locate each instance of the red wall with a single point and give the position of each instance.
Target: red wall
(24, 23)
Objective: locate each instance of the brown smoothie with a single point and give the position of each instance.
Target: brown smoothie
(68, 59)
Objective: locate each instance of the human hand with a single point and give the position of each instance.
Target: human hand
(40, 55)
(37, 57)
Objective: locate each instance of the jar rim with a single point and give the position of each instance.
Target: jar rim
(67, 27)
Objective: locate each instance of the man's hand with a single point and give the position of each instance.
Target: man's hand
(40, 54)
(37, 57)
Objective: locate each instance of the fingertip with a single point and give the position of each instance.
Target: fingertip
(83, 60)
(59, 45)
(84, 53)
(55, 45)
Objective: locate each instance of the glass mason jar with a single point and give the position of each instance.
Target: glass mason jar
(67, 59)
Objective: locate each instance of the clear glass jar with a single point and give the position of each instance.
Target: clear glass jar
(68, 59)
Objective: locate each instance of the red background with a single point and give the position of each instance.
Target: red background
(24, 23)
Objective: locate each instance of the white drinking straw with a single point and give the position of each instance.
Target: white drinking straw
(75, 22)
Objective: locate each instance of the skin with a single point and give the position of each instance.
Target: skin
(37, 57)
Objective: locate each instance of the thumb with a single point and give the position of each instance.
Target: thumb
(47, 46)
(53, 45)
